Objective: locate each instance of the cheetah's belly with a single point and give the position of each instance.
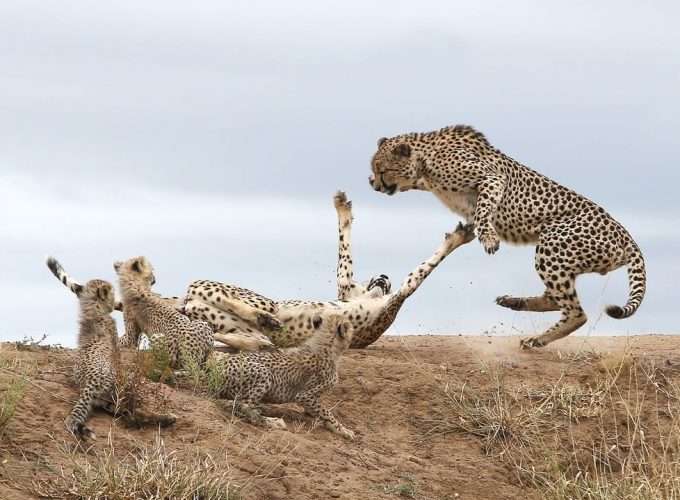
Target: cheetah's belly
(462, 203)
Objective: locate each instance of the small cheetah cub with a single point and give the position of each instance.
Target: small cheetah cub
(165, 326)
(98, 356)
(292, 375)
(98, 363)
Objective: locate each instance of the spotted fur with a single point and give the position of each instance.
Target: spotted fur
(293, 375)
(245, 319)
(508, 201)
(166, 327)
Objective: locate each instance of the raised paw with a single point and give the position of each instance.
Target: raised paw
(464, 233)
(268, 322)
(274, 423)
(514, 303)
(490, 241)
(530, 343)
(341, 201)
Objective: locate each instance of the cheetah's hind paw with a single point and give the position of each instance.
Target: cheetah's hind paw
(514, 303)
(341, 201)
(530, 343)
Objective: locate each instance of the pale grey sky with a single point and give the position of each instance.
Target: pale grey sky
(211, 137)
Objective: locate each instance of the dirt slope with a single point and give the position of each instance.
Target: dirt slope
(386, 394)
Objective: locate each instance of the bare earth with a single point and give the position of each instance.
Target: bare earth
(386, 394)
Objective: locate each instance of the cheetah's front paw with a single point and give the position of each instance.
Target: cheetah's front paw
(464, 233)
(346, 433)
(490, 241)
(268, 322)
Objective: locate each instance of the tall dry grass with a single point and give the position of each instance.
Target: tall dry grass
(616, 437)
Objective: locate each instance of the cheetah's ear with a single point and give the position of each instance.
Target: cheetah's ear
(102, 292)
(341, 330)
(138, 265)
(402, 149)
(77, 289)
(117, 265)
(381, 141)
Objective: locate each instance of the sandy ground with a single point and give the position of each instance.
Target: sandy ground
(386, 394)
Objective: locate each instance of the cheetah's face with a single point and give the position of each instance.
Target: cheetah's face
(100, 294)
(395, 167)
(138, 269)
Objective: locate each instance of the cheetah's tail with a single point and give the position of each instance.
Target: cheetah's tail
(61, 275)
(637, 282)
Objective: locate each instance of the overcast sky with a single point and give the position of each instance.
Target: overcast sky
(211, 136)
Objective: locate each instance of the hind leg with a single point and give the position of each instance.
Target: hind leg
(541, 303)
(573, 316)
(562, 254)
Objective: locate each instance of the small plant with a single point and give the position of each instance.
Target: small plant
(405, 488)
(213, 376)
(157, 364)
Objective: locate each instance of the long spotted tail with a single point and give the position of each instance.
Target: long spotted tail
(69, 282)
(637, 282)
(62, 276)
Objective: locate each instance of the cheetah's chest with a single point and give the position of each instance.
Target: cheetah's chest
(461, 202)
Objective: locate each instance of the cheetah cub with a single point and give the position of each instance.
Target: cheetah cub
(98, 362)
(98, 356)
(295, 374)
(167, 328)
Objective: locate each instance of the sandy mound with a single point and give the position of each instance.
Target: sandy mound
(391, 394)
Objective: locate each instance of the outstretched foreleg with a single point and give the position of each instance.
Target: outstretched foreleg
(463, 234)
(490, 191)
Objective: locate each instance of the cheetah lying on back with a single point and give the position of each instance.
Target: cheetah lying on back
(167, 328)
(98, 365)
(235, 312)
(293, 375)
(509, 201)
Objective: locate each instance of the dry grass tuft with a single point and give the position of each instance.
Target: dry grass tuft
(502, 417)
(150, 472)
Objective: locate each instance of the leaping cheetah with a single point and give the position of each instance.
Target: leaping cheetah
(506, 200)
